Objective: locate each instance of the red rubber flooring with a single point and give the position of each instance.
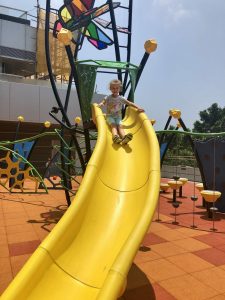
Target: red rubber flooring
(175, 261)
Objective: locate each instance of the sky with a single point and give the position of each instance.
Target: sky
(186, 72)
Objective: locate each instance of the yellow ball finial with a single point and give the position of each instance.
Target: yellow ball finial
(150, 46)
(47, 124)
(65, 36)
(20, 118)
(153, 121)
(175, 113)
(77, 120)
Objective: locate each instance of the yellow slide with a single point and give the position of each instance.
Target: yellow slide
(89, 252)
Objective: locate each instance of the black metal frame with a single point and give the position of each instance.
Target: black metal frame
(191, 143)
(65, 123)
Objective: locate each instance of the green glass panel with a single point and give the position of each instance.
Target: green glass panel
(108, 64)
(92, 30)
(86, 78)
(111, 64)
(70, 23)
(133, 77)
(87, 70)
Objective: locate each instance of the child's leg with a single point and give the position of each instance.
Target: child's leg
(115, 135)
(110, 120)
(114, 130)
(125, 137)
(121, 131)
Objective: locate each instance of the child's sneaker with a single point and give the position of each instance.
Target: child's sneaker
(128, 137)
(116, 139)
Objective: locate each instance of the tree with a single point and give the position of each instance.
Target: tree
(212, 119)
(179, 151)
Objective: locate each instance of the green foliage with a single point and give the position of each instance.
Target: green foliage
(212, 119)
(180, 151)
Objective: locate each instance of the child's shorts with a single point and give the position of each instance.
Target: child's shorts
(113, 120)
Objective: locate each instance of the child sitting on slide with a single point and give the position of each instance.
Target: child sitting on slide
(114, 103)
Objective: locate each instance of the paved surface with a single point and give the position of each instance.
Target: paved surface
(174, 262)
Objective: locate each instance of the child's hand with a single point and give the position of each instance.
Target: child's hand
(101, 103)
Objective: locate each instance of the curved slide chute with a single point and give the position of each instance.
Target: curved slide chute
(88, 254)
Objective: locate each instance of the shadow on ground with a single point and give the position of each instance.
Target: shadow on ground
(138, 286)
(50, 217)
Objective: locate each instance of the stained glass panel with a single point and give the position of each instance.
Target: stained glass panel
(65, 14)
(88, 3)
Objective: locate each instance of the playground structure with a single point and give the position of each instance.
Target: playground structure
(101, 207)
(17, 167)
(75, 22)
(206, 159)
(115, 247)
(107, 215)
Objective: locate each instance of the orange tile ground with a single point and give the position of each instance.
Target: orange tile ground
(174, 261)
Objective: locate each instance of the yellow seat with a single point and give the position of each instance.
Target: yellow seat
(164, 186)
(183, 180)
(210, 196)
(175, 184)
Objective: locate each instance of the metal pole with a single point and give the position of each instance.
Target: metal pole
(128, 41)
(115, 36)
(140, 70)
(86, 131)
(48, 62)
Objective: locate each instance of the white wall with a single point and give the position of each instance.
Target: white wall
(182, 171)
(18, 36)
(24, 100)
(5, 101)
(33, 101)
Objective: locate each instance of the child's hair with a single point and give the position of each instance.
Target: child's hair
(115, 82)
